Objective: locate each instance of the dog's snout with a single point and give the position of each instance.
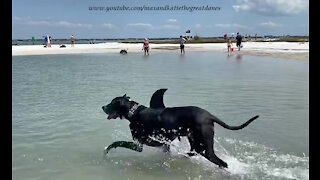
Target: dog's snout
(102, 107)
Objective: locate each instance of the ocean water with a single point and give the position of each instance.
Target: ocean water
(57, 41)
(59, 130)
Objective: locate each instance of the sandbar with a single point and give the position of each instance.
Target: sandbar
(286, 50)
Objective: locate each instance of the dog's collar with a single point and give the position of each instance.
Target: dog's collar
(132, 110)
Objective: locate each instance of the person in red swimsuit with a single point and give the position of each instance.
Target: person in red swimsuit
(146, 46)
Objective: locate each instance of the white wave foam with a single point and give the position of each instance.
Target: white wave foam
(249, 160)
(246, 160)
(261, 160)
(289, 173)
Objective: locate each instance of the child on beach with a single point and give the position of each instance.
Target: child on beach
(146, 46)
(229, 44)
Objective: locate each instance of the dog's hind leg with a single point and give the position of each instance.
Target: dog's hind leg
(208, 134)
(125, 144)
(166, 148)
(203, 137)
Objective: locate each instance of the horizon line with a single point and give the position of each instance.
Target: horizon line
(160, 37)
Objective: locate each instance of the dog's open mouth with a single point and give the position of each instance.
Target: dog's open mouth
(113, 116)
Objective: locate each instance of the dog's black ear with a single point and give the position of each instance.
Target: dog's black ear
(125, 96)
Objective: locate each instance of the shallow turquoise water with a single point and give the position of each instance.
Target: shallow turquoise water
(59, 130)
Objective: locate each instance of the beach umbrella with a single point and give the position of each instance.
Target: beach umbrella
(232, 34)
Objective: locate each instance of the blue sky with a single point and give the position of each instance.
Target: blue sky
(62, 18)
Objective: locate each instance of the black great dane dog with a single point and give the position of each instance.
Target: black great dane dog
(167, 123)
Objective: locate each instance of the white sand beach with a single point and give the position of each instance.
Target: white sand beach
(287, 50)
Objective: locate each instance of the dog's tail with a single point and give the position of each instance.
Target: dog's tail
(221, 123)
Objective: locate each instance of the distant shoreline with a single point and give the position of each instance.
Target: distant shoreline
(286, 50)
(20, 42)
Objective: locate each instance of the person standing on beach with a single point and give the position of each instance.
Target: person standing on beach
(182, 41)
(47, 40)
(239, 39)
(146, 46)
(229, 44)
(72, 40)
(50, 41)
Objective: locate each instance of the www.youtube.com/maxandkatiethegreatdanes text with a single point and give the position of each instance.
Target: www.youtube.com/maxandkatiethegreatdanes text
(154, 8)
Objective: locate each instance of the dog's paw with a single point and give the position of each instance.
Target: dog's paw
(106, 150)
(191, 154)
(223, 165)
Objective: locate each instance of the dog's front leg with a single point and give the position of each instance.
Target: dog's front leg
(192, 146)
(125, 144)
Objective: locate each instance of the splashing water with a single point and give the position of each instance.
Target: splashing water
(246, 160)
